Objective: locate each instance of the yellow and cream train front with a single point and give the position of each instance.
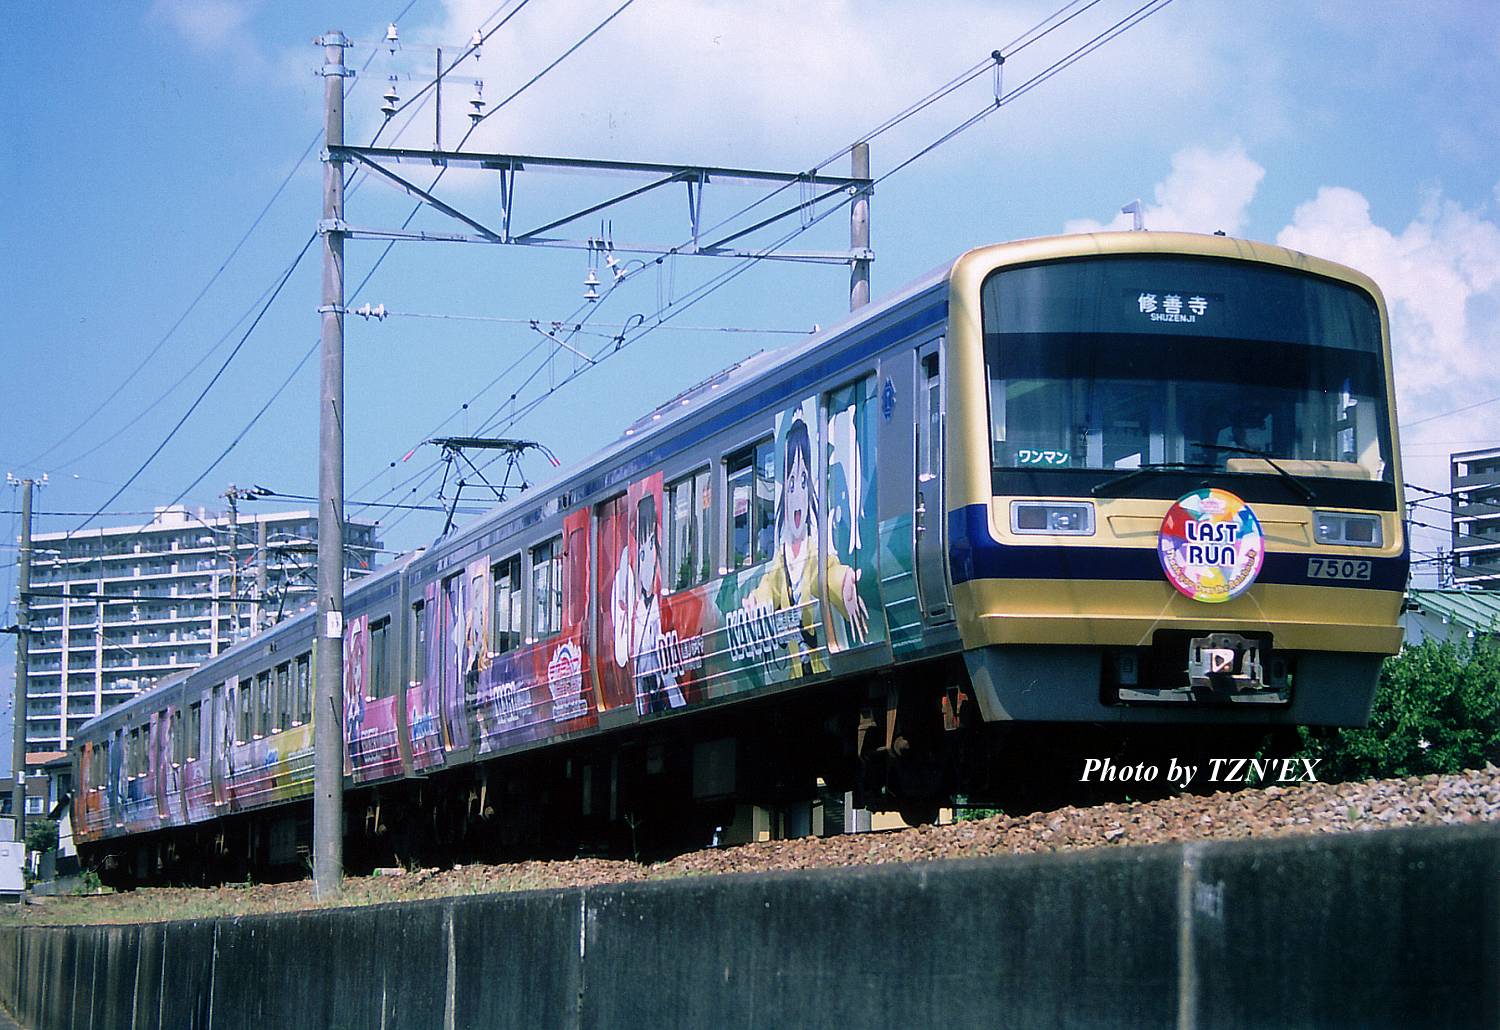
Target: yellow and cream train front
(1173, 482)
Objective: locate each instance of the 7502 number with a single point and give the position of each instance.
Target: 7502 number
(1338, 568)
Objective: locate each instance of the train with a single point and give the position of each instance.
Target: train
(1059, 494)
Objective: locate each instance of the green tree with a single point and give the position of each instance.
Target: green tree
(41, 835)
(1436, 710)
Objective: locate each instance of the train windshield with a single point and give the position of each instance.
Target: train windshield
(1139, 361)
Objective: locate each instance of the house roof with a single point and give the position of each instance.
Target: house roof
(1475, 609)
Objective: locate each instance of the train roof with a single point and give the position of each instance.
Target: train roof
(151, 700)
(738, 377)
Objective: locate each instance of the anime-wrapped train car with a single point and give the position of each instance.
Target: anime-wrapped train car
(1131, 480)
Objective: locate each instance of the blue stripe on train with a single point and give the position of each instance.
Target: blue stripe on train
(974, 554)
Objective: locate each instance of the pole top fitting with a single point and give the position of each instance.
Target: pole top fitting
(333, 37)
(997, 56)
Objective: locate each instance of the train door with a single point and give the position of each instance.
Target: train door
(219, 737)
(929, 520)
(119, 771)
(611, 651)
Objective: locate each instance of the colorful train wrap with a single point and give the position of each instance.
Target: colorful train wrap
(1125, 478)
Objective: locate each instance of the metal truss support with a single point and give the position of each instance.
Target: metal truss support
(696, 178)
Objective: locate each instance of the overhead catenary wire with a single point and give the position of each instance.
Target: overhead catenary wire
(1119, 27)
(960, 80)
(678, 306)
(468, 51)
(209, 386)
(276, 292)
(177, 324)
(578, 325)
(1100, 39)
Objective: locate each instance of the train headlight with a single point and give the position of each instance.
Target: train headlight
(1058, 518)
(1344, 529)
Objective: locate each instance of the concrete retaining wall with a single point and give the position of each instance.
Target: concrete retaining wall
(1394, 928)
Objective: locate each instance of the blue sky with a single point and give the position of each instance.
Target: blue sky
(142, 141)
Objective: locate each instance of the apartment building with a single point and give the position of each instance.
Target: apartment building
(114, 610)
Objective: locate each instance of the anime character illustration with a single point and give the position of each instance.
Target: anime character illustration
(848, 526)
(791, 582)
(476, 636)
(356, 668)
(636, 601)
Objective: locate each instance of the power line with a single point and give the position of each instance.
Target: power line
(1445, 414)
(577, 326)
(192, 306)
(699, 293)
(472, 47)
(1120, 27)
(204, 392)
(663, 315)
(474, 126)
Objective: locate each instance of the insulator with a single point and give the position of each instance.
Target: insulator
(477, 103)
(590, 294)
(476, 41)
(591, 279)
(392, 38)
(392, 98)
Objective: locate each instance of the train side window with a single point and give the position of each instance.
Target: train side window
(419, 643)
(242, 712)
(179, 744)
(195, 731)
(304, 688)
(379, 666)
(546, 588)
(133, 753)
(750, 515)
(263, 703)
(932, 458)
(283, 695)
(505, 621)
(688, 561)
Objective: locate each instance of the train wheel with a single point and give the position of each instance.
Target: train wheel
(919, 811)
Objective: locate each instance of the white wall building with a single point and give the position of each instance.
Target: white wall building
(114, 610)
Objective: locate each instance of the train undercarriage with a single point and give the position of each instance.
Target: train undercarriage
(789, 766)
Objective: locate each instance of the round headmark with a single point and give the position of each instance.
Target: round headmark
(1210, 545)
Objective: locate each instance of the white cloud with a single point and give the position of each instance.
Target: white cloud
(1441, 280)
(779, 81)
(1206, 190)
(1434, 273)
(208, 25)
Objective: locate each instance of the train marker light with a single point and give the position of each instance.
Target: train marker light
(1337, 527)
(1058, 518)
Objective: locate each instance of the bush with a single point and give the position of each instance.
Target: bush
(1436, 710)
(41, 835)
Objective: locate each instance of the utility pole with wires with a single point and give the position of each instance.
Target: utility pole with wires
(328, 657)
(859, 228)
(23, 620)
(232, 495)
(259, 614)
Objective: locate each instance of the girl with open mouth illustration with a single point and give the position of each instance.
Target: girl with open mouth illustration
(791, 582)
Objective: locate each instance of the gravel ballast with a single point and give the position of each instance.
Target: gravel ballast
(1310, 808)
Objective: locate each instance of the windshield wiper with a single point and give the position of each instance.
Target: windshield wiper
(1302, 489)
(1142, 469)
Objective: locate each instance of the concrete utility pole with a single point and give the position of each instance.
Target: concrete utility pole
(258, 614)
(23, 620)
(328, 657)
(233, 496)
(859, 228)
